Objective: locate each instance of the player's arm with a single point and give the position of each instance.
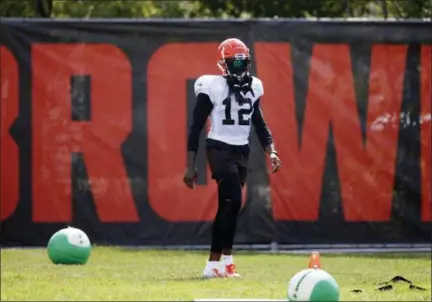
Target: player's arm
(263, 132)
(264, 135)
(201, 111)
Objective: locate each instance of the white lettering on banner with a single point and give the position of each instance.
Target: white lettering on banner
(405, 119)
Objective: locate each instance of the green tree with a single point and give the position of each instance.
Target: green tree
(276, 8)
(11, 8)
(94, 8)
(317, 8)
(414, 9)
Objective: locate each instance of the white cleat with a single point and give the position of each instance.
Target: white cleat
(213, 270)
(231, 272)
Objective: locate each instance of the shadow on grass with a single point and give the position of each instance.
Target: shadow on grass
(384, 255)
(162, 250)
(377, 255)
(182, 279)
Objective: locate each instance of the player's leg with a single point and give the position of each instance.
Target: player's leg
(220, 165)
(230, 191)
(227, 257)
(213, 267)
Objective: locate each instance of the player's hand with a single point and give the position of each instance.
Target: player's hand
(190, 176)
(275, 162)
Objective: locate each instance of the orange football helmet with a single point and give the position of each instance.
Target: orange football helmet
(233, 58)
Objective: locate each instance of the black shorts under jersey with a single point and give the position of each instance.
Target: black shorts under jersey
(225, 159)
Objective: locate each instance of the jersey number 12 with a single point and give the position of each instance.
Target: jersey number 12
(242, 120)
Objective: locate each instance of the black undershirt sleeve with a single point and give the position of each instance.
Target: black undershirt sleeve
(261, 129)
(202, 110)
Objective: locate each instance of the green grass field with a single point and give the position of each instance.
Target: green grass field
(121, 274)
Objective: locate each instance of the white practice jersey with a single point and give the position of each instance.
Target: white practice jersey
(229, 122)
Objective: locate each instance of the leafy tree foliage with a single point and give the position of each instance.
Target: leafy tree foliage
(413, 9)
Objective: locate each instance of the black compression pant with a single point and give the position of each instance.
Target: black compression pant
(229, 204)
(229, 166)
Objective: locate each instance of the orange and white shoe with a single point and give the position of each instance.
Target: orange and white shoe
(213, 270)
(231, 272)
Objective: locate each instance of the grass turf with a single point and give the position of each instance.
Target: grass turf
(122, 274)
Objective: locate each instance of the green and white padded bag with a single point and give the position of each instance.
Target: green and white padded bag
(69, 246)
(313, 285)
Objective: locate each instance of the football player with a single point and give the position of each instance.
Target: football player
(232, 100)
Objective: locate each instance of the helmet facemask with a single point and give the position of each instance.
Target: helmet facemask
(237, 67)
